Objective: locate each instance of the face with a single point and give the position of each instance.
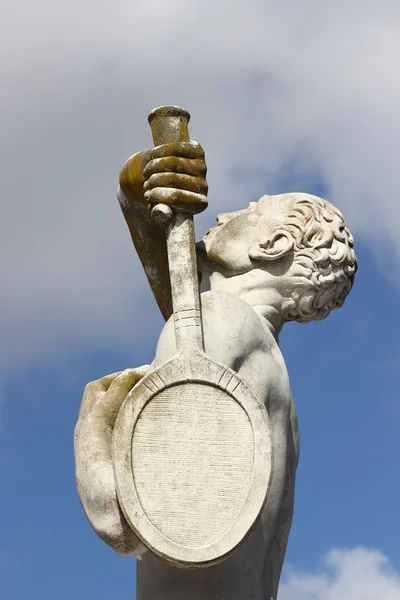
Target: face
(227, 245)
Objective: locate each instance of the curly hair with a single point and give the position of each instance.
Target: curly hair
(324, 262)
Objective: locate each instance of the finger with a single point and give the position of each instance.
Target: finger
(107, 380)
(92, 391)
(175, 164)
(177, 181)
(106, 410)
(189, 149)
(186, 201)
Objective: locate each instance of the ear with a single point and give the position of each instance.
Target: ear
(279, 244)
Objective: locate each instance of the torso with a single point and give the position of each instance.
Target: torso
(253, 570)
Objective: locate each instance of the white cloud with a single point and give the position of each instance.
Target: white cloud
(314, 84)
(357, 574)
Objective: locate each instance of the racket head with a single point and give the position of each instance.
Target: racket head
(192, 461)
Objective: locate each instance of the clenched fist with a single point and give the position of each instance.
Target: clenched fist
(172, 174)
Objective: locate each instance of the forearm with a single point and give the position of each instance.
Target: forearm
(96, 490)
(148, 237)
(101, 402)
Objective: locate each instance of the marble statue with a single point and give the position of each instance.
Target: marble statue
(287, 257)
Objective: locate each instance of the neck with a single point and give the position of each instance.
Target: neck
(256, 288)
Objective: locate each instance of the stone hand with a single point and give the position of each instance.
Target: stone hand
(101, 402)
(175, 174)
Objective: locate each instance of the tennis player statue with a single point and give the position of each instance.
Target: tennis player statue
(189, 463)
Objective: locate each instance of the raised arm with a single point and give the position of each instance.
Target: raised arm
(172, 174)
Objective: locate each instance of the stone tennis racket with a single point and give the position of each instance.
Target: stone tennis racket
(192, 448)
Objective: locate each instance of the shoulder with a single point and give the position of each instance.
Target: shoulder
(231, 330)
(235, 336)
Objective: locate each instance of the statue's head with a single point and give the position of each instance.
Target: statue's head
(298, 244)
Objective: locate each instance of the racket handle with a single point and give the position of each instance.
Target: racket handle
(168, 124)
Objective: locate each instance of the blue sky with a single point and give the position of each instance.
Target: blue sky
(282, 99)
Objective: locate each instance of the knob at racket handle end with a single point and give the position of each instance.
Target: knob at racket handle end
(168, 124)
(161, 214)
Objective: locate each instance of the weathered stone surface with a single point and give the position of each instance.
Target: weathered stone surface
(286, 257)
